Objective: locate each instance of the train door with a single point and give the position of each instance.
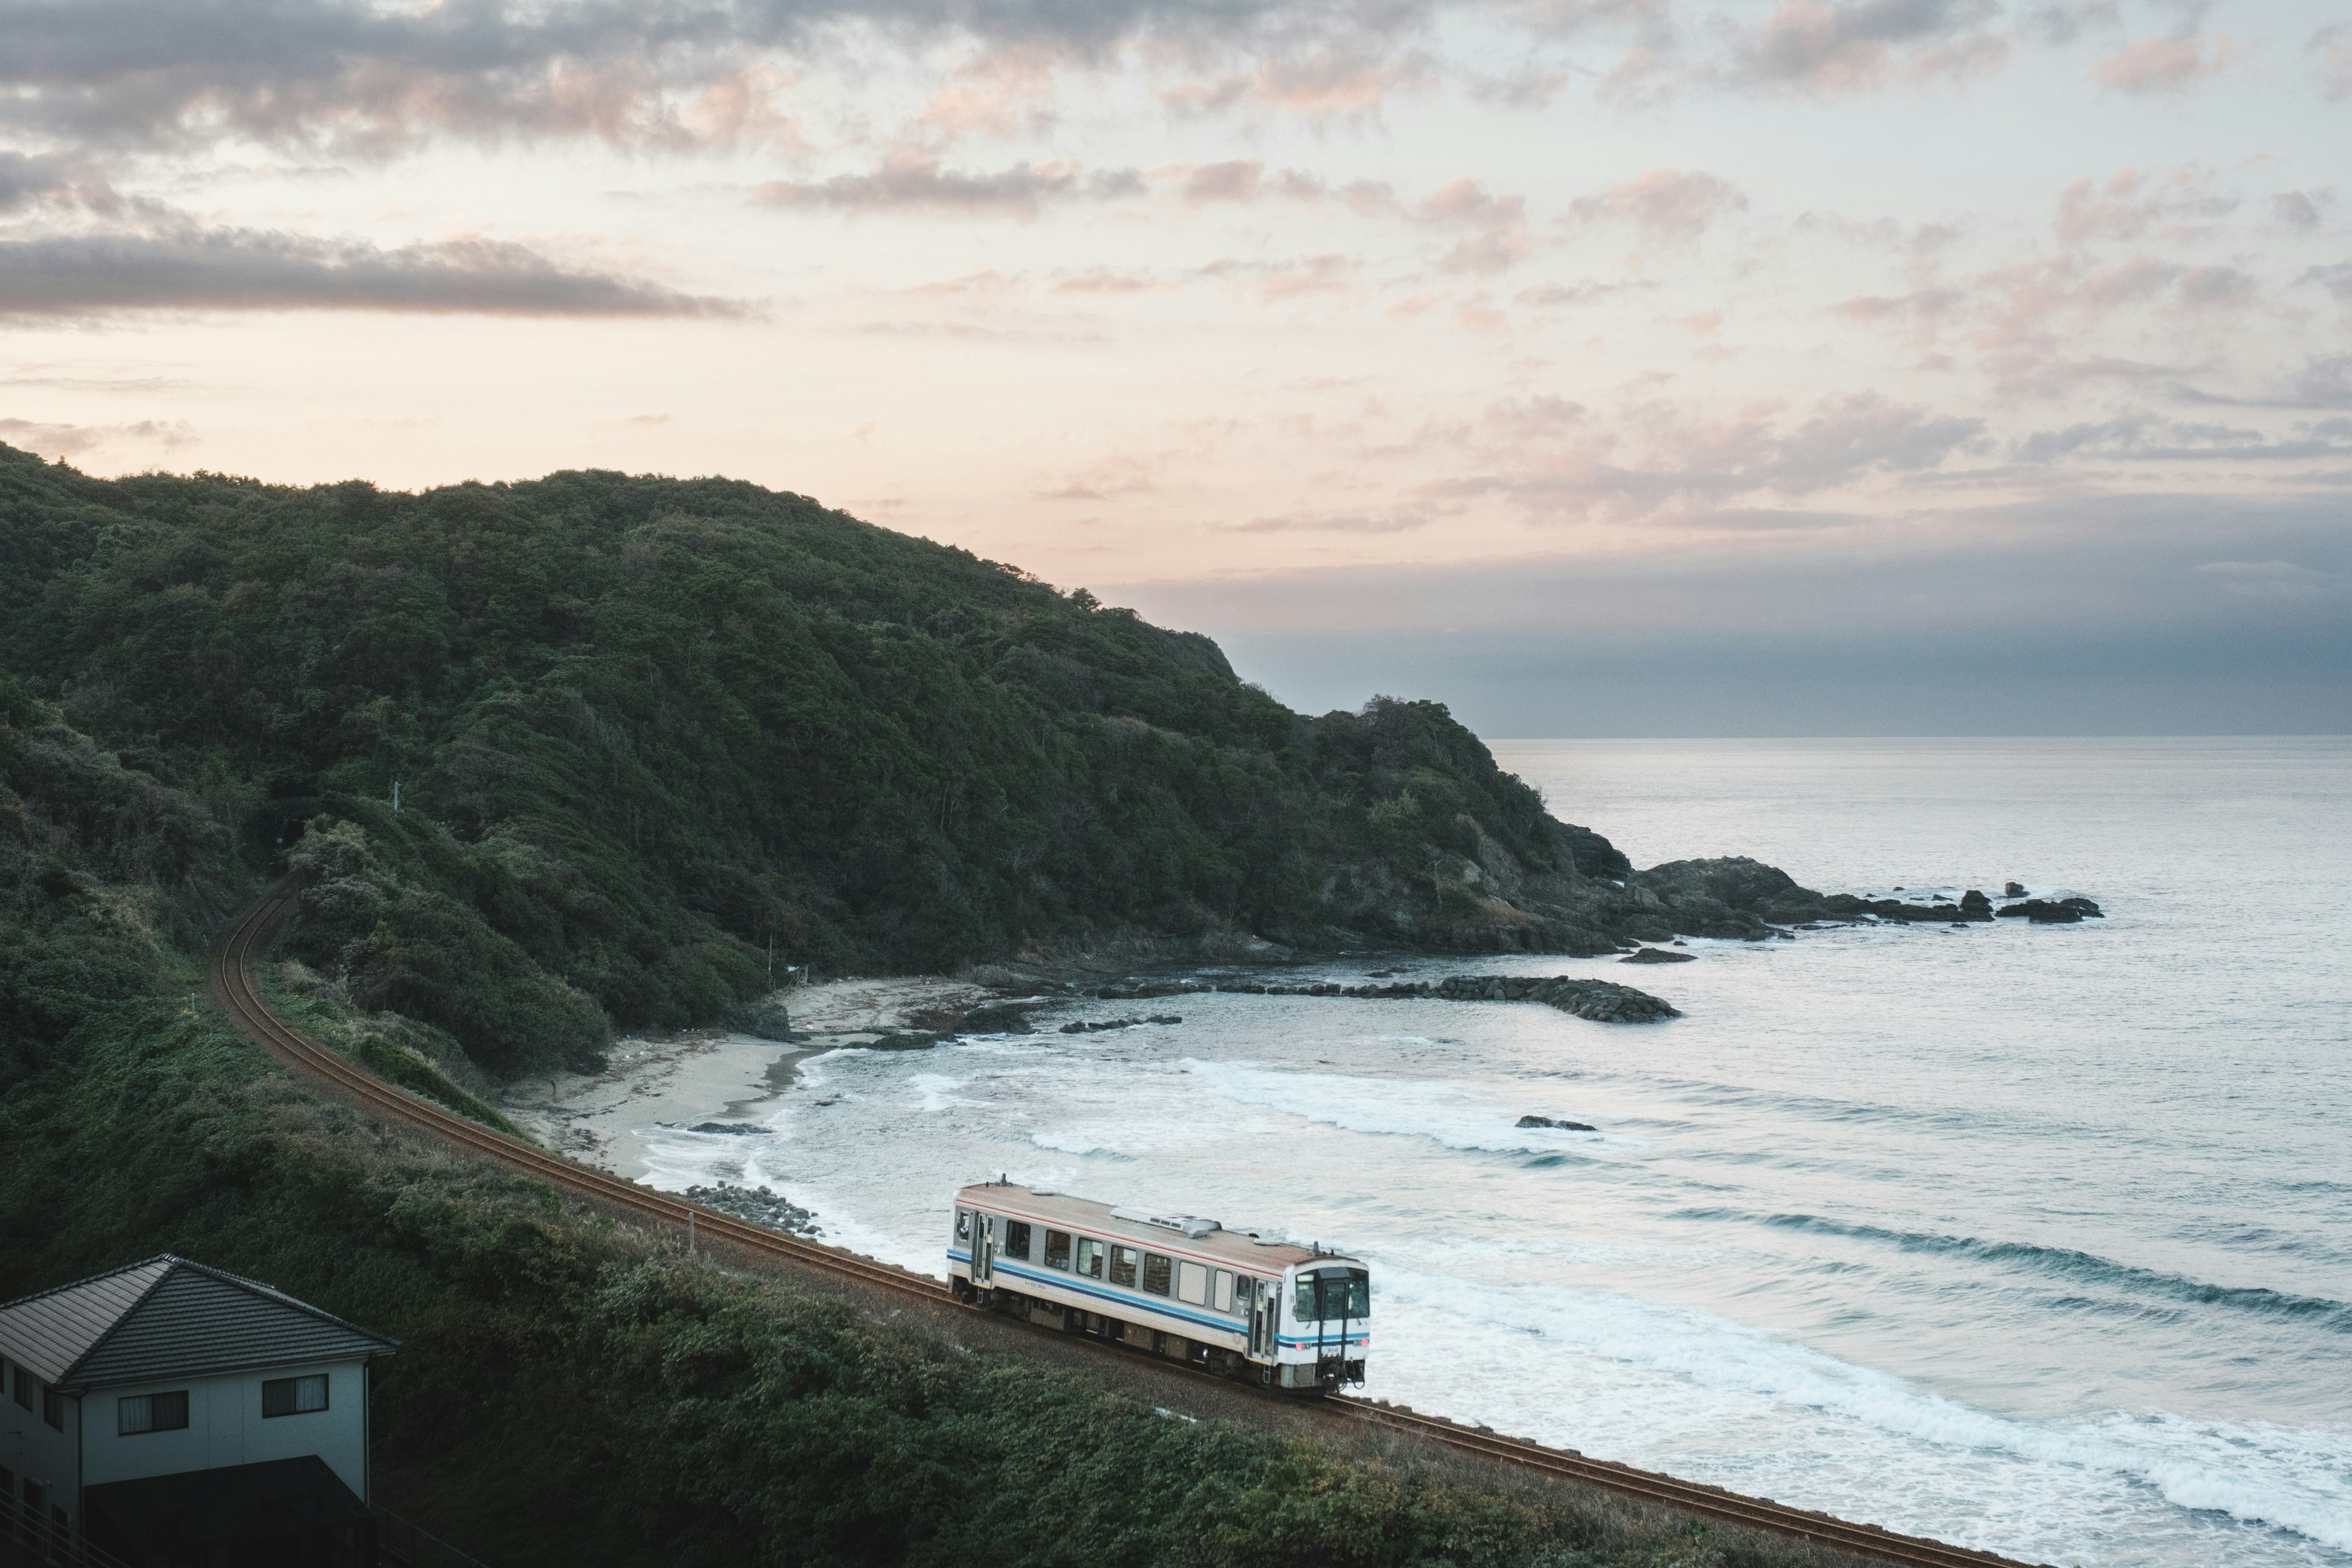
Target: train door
(984, 1250)
(1264, 1302)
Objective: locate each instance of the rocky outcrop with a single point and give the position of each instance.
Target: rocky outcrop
(1091, 1027)
(1554, 1122)
(765, 1019)
(1599, 1000)
(757, 1205)
(1657, 955)
(2054, 912)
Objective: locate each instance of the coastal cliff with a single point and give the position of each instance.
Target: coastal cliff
(599, 754)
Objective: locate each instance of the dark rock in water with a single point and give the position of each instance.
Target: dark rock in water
(1975, 906)
(1601, 1001)
(2012, 890)
(905, 1040)
(739, 1129)
(1096, 1026)
(1657, 955)
(760, 1207)
(1554, 1122)
(1002, 1017)
(766, 1019)
(2055, 912)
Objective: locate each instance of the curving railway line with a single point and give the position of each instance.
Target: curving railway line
(231, 980)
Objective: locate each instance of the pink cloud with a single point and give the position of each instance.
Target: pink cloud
(2165, 64)
(1664, 204)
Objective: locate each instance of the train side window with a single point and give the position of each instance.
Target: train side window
(1220, 1292)
(1090, 1258)
(1302, 1304)
(963, 1225)
(1193, 1284)
(1245, 1293)
(1123, 1265)
(1017, 1239)
(1157, 1268)
(1057, 1249)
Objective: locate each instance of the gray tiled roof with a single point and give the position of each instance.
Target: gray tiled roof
(170, 1318)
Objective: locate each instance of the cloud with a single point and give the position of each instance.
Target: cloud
(28, 178)
(2334, 48)
(1556, 456)
(2267, 579)
(917, 185)
(2175, 206)
(1499, 238)
(1825, 48)
(2323, 383)
(2059, 26)
(1557, 296)
(2335, 278)
(59, 442)
(193, 269)
(2165, 64)
(2140, 437)
(375, 78)
(1401, 519)
(1664, 204)
(2298, 212)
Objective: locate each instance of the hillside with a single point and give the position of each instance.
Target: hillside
(187, 657)
(643, 730)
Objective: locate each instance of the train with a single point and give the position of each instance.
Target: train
(1231, 1301)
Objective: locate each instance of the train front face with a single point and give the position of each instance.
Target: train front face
(1326, 1323)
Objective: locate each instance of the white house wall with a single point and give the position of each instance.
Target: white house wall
(35, 1450)
(225, 1427)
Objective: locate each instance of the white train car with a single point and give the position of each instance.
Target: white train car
(1175, 1285)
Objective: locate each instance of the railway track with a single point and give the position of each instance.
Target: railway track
(231, 980)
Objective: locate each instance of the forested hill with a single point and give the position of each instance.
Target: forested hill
(640, 728)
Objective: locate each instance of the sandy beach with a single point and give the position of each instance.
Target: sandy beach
(712, 1074)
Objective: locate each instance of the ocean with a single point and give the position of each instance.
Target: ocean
(2033, 1238)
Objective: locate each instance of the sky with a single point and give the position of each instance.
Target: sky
(1599, 367)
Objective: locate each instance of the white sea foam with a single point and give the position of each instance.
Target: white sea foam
(2289, 1478)
(1458, 1115)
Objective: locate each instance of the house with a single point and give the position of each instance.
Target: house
(172, 1413)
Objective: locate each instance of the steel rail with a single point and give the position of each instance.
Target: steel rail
(231, 981)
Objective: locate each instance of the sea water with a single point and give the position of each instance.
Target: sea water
(2034, 1238)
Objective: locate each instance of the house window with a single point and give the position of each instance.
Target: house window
(1090, 1257)
(294, 1395)
(1017, 1239)
(151, 1413)
(1156, 1270)
(53, 1407)
(24, 1388)
(1057, 1249)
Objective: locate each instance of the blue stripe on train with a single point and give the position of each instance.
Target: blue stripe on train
(1223, 1325)
(1289, 1341)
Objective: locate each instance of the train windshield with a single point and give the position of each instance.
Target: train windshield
(1332, 1295)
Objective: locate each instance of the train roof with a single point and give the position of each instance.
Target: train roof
(1186, 1234)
